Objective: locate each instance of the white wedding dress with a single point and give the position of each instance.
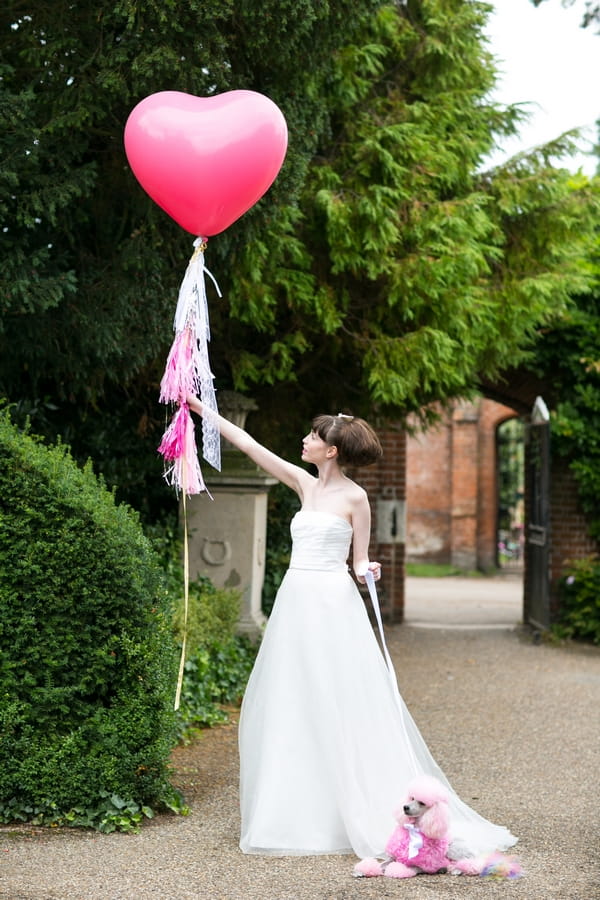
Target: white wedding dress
(326, 746)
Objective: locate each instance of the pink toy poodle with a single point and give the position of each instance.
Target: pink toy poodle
(421, 840)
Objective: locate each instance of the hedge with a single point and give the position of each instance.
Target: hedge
(87, 655)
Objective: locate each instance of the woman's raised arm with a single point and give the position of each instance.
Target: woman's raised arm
(293, 476)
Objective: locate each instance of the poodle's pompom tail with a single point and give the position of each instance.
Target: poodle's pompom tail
(496, 865)
(499, 866)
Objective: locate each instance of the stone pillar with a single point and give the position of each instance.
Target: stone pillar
(228, 534)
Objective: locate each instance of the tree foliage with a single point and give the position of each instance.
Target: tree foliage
(90, 266)
(384, 270)
(421, 270)
(568, 355)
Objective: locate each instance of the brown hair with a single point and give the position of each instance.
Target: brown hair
(356, 442)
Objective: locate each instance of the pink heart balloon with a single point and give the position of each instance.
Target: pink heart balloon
(206, 160)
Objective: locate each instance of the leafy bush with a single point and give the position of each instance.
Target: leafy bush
(580, 601)
(213, 612)
(567, 355)
(218, 661)
(214, 677)
(87, 665)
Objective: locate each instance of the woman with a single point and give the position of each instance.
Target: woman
(326, 743)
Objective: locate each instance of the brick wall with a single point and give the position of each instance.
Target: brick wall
(569, 537)
(385, 482)
(465, 485)
(429, 494)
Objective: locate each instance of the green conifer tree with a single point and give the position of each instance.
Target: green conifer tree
(384, 270)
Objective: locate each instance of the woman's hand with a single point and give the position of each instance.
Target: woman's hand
(374, 567)
(194, 404)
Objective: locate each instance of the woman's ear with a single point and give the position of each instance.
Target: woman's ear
(332, 451)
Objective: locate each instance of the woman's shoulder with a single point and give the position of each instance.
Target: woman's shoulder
(356, 494)
(354, 487)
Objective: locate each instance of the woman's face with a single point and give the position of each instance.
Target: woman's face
(314, 448)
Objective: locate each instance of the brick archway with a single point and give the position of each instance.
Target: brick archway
(466, 499)
(452, 488)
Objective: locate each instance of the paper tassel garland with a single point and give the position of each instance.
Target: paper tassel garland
(188, 372)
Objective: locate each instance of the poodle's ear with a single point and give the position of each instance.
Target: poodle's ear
(435, 820)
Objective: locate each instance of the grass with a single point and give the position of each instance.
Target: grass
(440, 570)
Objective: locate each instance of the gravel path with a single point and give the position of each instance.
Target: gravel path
(514, 725)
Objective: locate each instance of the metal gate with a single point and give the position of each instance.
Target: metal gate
(537, 538)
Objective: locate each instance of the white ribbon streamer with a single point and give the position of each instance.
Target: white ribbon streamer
(186, 601)
(370, 582)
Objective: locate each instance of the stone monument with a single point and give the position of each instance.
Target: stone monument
(227, 535)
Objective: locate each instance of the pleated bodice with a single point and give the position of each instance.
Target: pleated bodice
(321, 541)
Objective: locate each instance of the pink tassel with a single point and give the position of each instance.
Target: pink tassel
(173, 441)
(179, 378)
(178, 447)
(192, 474)
(188, 372)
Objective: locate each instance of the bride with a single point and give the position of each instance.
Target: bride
(327, 745)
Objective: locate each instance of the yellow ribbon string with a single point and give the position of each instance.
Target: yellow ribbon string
(186, 592)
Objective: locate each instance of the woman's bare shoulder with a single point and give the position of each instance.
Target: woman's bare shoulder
(356, 494)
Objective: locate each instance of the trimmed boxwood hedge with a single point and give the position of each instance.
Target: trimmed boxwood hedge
(87, 654)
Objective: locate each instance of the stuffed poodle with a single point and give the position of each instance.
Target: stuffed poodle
(421, 840)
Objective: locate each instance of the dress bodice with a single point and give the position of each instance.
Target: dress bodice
(320, 540)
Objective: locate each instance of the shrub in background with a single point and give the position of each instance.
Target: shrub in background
(213, 612)
(215, 678)
(218, 660)
(87, 657)
(580, 601)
